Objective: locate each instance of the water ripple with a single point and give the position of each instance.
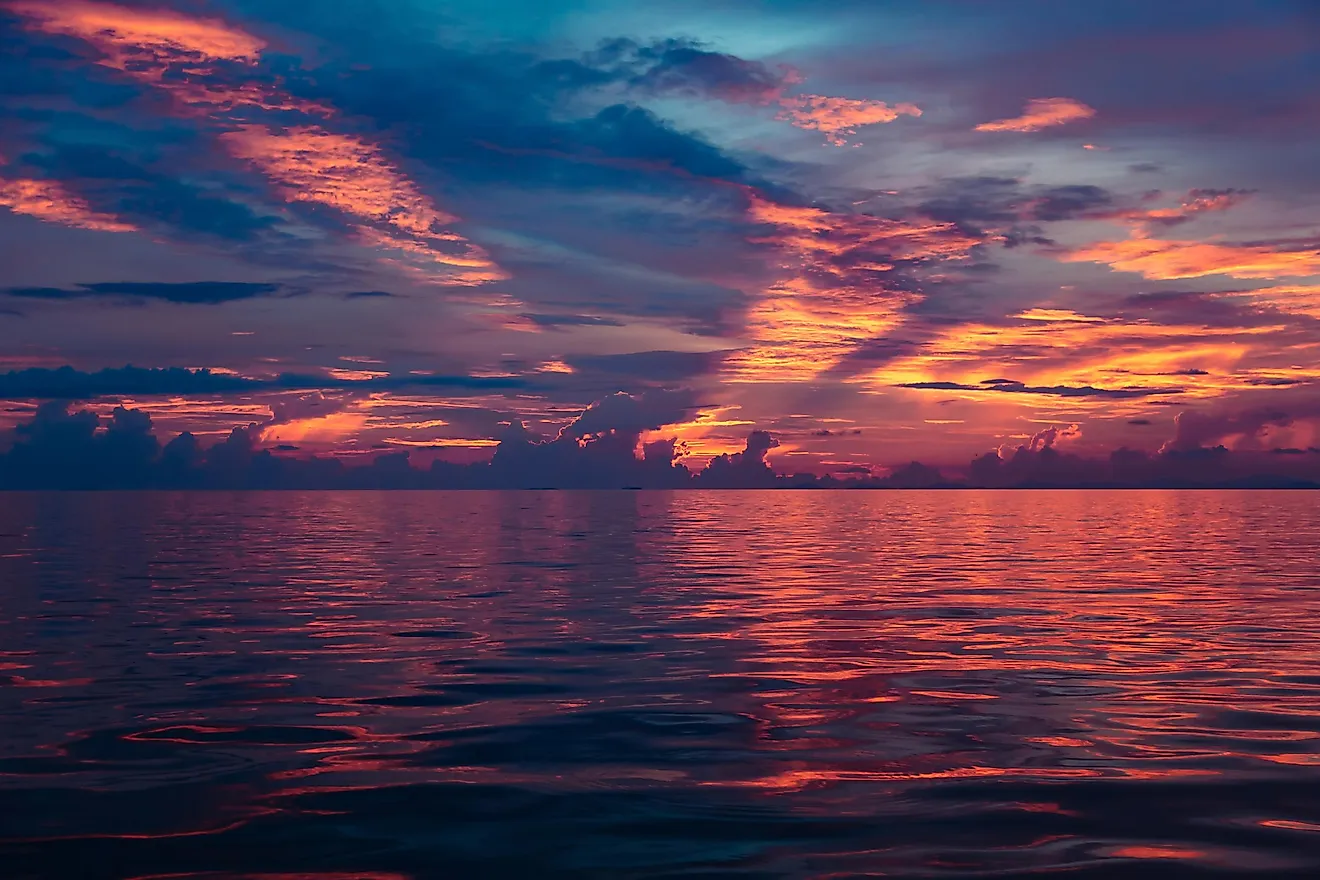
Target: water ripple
(782, 684)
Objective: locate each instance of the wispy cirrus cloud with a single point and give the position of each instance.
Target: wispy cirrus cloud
(1170, 259)
(1052, 349)
(1198, 201)
(1300, 299)
(194, 59)
(344, 172)
(48, 200)
(133, 37)
(1041, 113)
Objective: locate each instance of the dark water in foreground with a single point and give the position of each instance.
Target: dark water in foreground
(782, 684)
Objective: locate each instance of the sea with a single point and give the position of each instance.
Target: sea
(726, 684)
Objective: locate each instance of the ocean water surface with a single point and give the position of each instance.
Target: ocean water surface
(649, 684)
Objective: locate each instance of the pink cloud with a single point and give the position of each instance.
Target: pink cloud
(1042, 113)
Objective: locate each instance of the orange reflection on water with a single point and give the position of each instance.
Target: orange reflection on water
(1124, 674)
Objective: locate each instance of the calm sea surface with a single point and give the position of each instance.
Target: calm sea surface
(616, 684)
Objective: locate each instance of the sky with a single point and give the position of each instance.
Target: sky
(876, 231)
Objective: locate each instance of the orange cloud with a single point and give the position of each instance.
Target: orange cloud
(709, 433)
(130, 37)
(555, 366)
(1046, 348)
(149, 44)
(307, 163)
(340, 171)
(1166, 260)
(832, 295)
(1196, 202)
(329, 429)
(445, 443)
(343, 172)
(1042, 113)
(839, 118)
(1298, 299)
(47, 200)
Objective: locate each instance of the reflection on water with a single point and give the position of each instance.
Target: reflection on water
(781, 684)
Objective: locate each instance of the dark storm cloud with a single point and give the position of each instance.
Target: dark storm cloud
(1009, 386)
(196, 292)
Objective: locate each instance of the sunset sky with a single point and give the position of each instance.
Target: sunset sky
(880, 231)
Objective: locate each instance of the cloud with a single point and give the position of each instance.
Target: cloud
(542, 320)
(143, 37)
(1010, 387)
(344, 172)
(48, 200)
(627, 227)
(128, 181)
(684, 67)
(1197, 201)
(1166, 260)
(66, 383)
(195, 292)
(628, 415)
(1297, 299)
(1195, 430)
(58, 449)
(79, 450)
(598, 449)
(839, 118)
(1008, 208)
(742, 470)
(180, 54)
(653, 366)
(1046, 438)
(841, 283)
(1041, 113)
(192, 59)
